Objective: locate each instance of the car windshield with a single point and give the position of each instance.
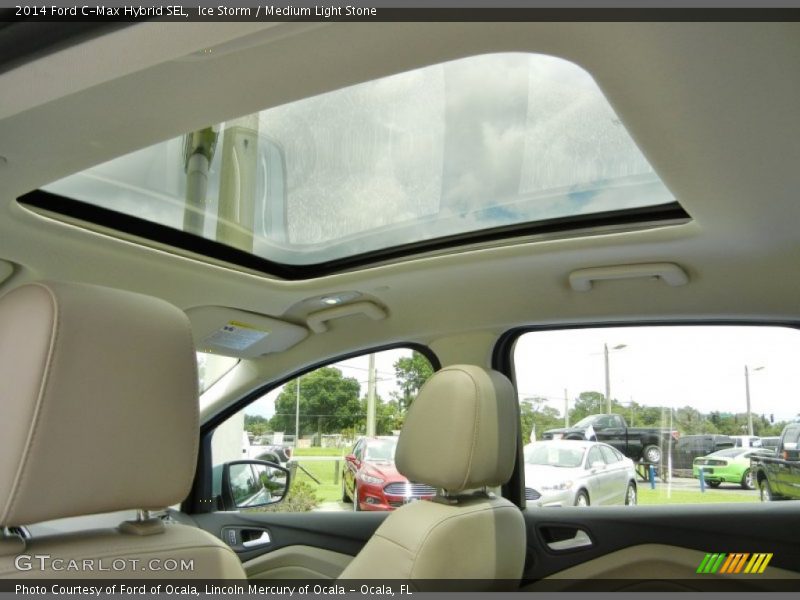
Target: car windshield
(553, 456)
(381, 450)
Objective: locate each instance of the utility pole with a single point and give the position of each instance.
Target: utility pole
(566, 409)
(747, 395)
(297, 416)
(238, 183)
(608, 374)
(198, 154)
(371, 397)
(608, 380)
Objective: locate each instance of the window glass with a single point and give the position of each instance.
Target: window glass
(594, 457)
(474, 144)
(670, 399)
(608, 455)
(317, 426)
(211, 368)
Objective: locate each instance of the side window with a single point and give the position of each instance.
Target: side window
(609, 455)
(358, 451)
(594, 457)
(310, 424)
(792, 438)
(686, 393)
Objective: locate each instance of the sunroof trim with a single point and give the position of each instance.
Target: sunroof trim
(658, 215)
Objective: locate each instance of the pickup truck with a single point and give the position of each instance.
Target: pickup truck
(778, 476)
(637, 443)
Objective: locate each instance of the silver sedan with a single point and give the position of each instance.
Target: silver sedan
(577, 473)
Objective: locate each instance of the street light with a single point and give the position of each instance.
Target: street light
(747, 395)
(608, 377)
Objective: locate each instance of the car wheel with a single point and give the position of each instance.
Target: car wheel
(764, 491)
(356, 507)
(652, 454)
(582, 499)
(345, 497)
(747, 480)
(714, 484)
(630, 494)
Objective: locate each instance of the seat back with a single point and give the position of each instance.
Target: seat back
(100, 414)
(460, 436)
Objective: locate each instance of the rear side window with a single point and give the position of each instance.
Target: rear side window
(642, 389)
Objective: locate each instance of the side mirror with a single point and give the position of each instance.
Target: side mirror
(351, 458)
(253, 483)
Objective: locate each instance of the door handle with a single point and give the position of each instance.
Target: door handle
(581, 540)
(255, 542)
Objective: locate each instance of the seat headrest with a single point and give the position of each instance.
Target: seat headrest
(99, 402)
(461, 431)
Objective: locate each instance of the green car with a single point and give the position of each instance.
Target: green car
(731, 465)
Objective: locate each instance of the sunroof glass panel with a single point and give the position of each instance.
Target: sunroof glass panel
(456, 148)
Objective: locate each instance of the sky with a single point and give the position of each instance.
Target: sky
(702, 367)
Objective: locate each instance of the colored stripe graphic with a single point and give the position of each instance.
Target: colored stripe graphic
(735, 563)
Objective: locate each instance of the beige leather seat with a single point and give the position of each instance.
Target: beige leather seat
(459, 436)
(99, 414)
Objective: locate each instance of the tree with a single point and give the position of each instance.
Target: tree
(591, 403)
(534, 412)
(329, 403)
(411, 373)
(256, 424)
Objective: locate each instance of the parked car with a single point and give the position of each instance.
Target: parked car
(371, 481)
(579, 473)
(637, 443)
(275, 453)
(690, 447)
(730, 465)
(778, 475)
(746, 441)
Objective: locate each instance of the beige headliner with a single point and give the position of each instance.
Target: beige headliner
(713, 106)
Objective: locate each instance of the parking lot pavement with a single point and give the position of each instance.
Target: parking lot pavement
(688, 483)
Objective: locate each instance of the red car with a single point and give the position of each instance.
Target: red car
(370, 480)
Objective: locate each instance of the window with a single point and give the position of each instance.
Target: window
(674, 398)
(319, 426)
(211, 368)
(594, 457)
(474, 145)
(609, 455)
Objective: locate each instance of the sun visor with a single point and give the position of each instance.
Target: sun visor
(232, 332)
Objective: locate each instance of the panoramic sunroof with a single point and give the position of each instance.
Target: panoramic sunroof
(450, 152)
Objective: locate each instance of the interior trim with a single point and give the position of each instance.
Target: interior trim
(155, 232)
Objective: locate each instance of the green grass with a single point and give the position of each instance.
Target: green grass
(661, 495)
(330, 486)
(320, 451)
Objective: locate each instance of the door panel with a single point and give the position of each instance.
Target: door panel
(297, 562)
(293, 536)
(657, 567)
(728, 528)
